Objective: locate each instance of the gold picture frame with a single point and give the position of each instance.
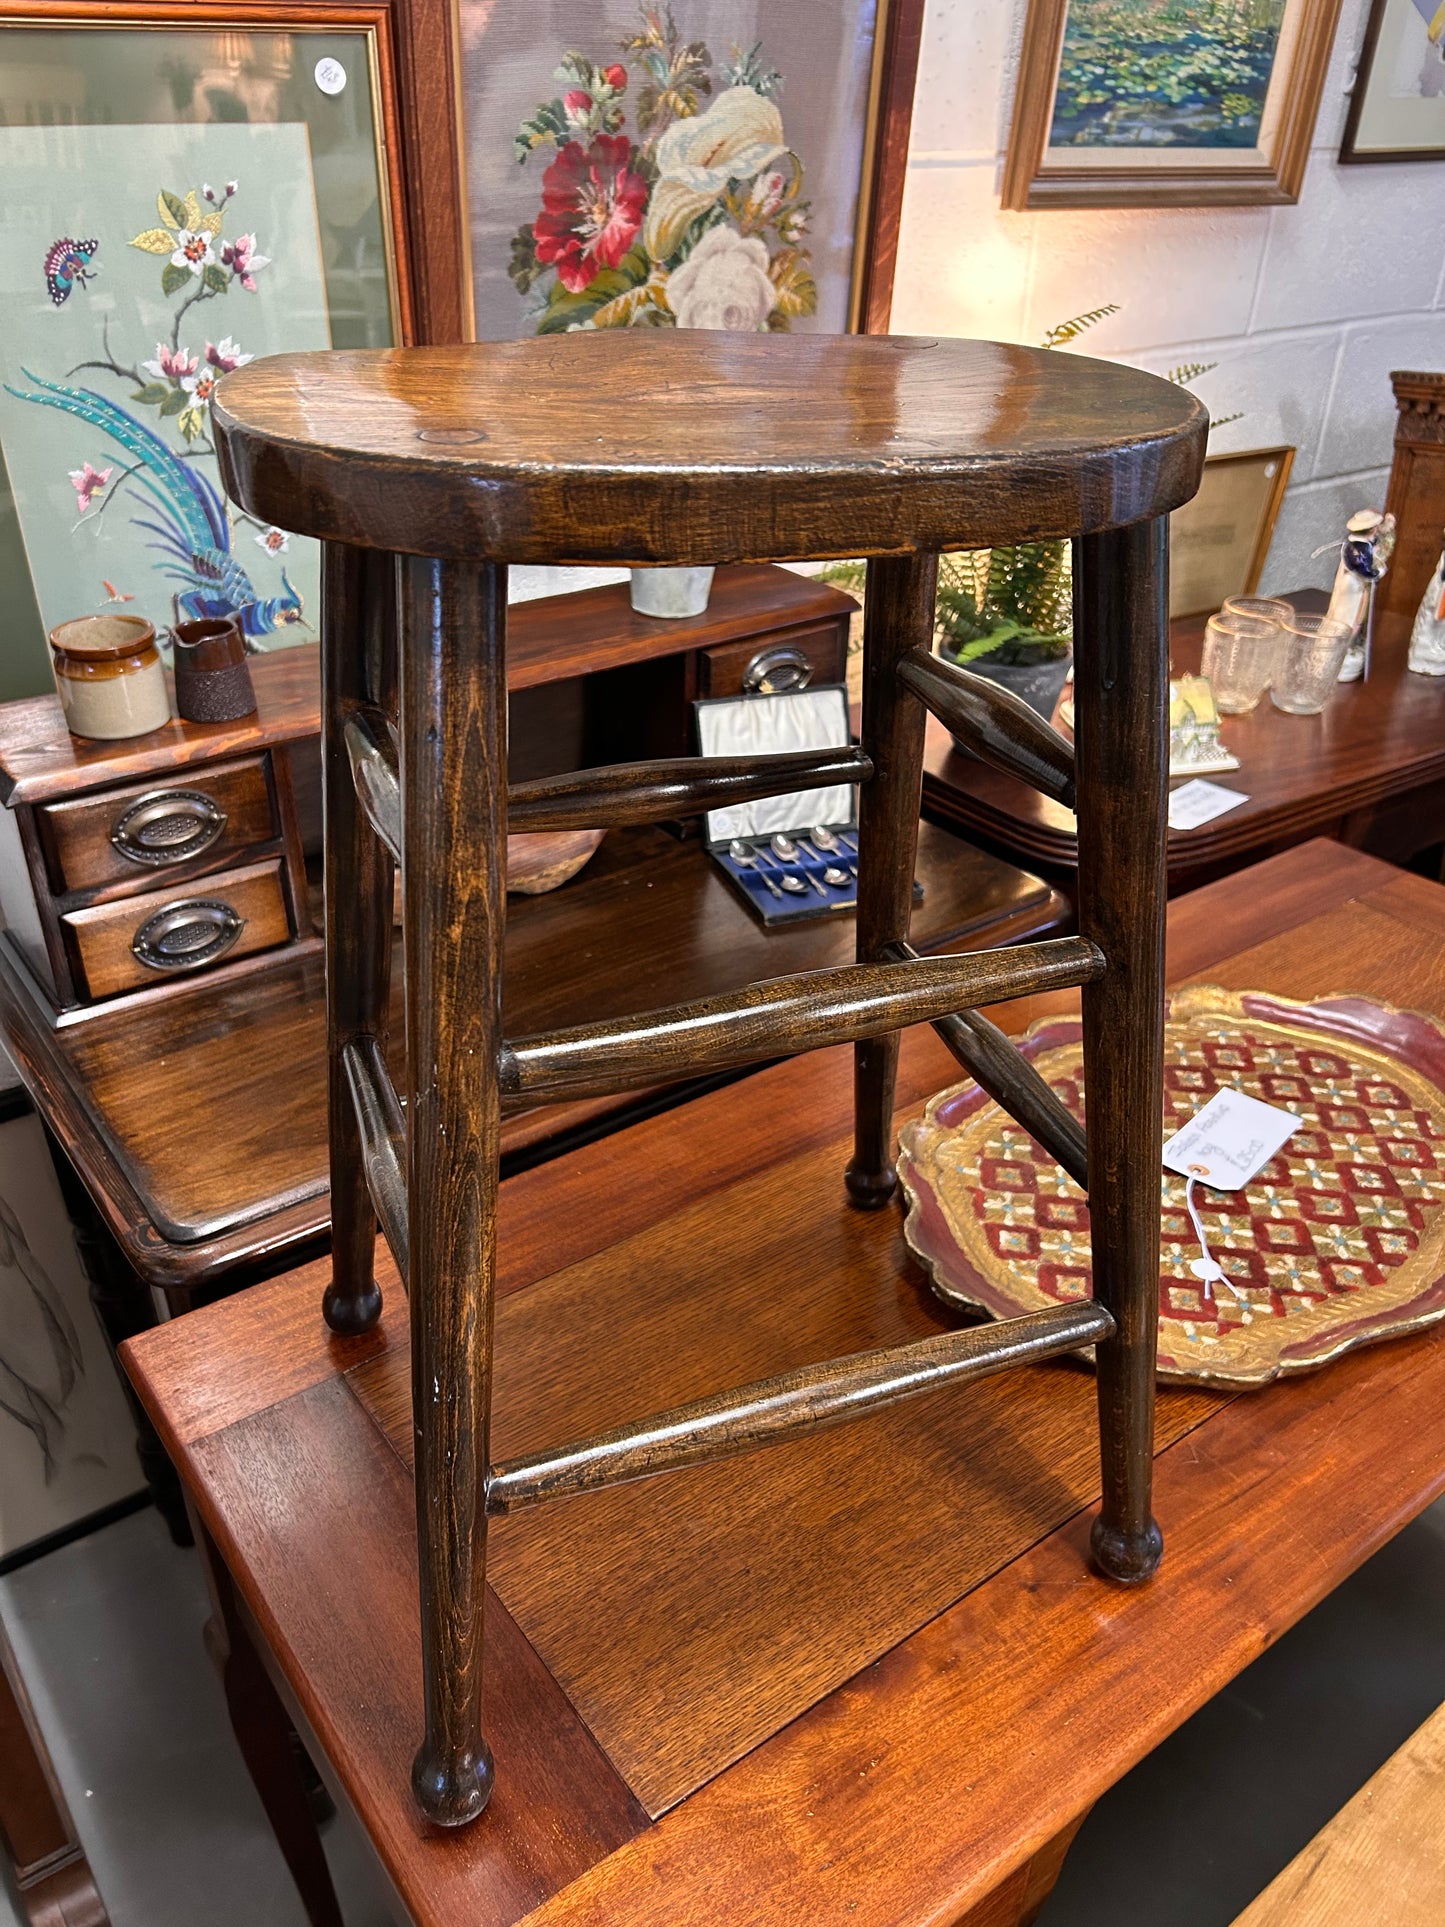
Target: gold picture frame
(1255, 119)
(1219, 541)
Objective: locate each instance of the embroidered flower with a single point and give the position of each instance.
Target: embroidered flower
(225, 355)
(170, 364)
(577, 103)
(88, 483)
(231, 187)
(201, 386)
(208, 193)
(723, 283)
(616, 78)
(241, 258)
(592, 208)
(273, 541)
(193, 250)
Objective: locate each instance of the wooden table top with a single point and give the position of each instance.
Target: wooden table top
(886, 1709)
(1374, 743)
(198, 1122)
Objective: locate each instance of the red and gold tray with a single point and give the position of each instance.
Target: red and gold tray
(1338, 1242)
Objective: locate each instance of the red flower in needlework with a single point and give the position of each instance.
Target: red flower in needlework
(592, 207)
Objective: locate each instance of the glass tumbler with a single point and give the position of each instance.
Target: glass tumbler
(1239, 659)
(1267, 608)
(1312, 649)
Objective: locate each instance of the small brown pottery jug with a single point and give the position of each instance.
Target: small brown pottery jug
(213, 682)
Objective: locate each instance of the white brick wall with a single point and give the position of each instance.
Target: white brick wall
(1305, 308)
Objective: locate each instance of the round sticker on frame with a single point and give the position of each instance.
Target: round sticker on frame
(330, 74)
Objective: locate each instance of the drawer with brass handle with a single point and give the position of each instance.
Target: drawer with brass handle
(133, 941)
(122, 835)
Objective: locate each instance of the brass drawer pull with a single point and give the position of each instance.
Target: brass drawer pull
(167, 826)
(187, 934)
(782, 666)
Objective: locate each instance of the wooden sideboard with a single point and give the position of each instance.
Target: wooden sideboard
(1369, 771)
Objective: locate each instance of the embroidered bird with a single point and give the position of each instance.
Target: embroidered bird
(184, 514)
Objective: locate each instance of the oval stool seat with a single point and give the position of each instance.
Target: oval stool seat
(689, 446)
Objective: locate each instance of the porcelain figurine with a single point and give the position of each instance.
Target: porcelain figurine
(1364, 559)
(1427, 638)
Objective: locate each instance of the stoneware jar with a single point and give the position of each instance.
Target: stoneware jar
(213, 683)
(109, 677)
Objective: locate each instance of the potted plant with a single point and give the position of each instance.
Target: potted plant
(1007, 614)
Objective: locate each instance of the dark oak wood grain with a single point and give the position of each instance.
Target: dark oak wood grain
(897, 618)
(790, 447)
(1121, 698)
(1370, 771)
(130, 1093)
(964, 1755)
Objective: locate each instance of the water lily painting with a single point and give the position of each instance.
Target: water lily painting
(1191, 102)
(697, 164)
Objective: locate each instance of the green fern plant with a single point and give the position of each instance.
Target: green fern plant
(1014, 606)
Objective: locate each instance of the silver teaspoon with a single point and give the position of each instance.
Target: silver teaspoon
(840, 879)
(797, 887)
(747, 859)
(784, 847)
(823, 839)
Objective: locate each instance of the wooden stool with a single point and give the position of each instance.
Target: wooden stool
(426, 472)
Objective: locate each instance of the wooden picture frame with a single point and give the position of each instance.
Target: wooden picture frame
(1169, 174)
(594, 104)
(193, 76)
(419, 116)
(1379, 110)
(1219, 541)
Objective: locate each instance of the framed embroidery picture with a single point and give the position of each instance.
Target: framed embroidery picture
(1152, 103)
(188, 187)
(1397, 105)
(685, 163)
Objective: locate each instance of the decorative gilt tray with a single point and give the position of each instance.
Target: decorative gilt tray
(1338, 1242)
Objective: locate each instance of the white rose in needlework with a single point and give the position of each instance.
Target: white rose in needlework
(723, 283)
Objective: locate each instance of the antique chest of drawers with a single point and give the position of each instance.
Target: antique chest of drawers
(127, 867)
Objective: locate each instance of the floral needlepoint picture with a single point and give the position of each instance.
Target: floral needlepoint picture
(670, 195)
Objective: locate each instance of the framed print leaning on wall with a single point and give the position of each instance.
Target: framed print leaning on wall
(183, 195)
(1154, 103)
(1397, 106)
(691, 163)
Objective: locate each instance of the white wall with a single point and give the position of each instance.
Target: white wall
(1305, 308)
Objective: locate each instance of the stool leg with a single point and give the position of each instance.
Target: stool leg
(358, 648)
(898, 617)
(1121, 692)
(454, 814)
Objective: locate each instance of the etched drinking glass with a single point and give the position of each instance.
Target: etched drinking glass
(1266, 608)
(1312, 650)
(1239, 658)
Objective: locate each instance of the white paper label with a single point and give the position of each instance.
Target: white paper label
(330, 75)
(1231, 1139)
(1199, 802)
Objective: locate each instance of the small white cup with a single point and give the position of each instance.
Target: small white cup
(671, 592)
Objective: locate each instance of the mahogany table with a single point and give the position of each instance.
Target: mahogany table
(771, 1690)
(1369, 771)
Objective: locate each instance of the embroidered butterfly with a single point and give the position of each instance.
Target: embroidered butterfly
(67, 261)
